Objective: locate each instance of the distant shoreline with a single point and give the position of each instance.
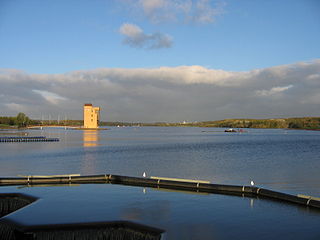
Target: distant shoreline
(306, 123)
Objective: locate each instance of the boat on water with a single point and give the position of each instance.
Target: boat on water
(230, 130)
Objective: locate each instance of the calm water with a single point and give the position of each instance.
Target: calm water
(287, 161)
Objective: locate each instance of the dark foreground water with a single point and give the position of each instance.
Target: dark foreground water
(287, 161)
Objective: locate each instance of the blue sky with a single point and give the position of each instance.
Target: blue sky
(160, 60)
(44, 36)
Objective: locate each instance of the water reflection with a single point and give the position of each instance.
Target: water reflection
(182, 216)
(251, 202)
(90, 138)
(88, 166)
(153, 210)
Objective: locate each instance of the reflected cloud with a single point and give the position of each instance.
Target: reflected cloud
(153, 211)
(193, 231)
(251, 203)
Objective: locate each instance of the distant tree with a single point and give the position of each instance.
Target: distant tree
(295, 125)
(22, 120)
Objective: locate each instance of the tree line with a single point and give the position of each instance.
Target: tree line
(21, 120)
(290, 123)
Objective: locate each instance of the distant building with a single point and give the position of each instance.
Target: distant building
(90, 116)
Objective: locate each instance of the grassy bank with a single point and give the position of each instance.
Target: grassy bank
(291, 123)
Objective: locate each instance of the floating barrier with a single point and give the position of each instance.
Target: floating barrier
(14, 133)
(180, 180)
(50, 176)
(166, 183)
(28, 139)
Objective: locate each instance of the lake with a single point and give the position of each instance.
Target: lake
(277, 159)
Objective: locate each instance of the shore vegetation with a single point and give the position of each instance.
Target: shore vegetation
(310, 123)
(20, 121)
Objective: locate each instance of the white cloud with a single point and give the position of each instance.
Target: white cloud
(135, 37)
(149, 6)
(130, 30)
(204, 13)
(159, 11)
(197, 11)
(314, 76)
(273, 91)
(165, 94)
(49, 96)
(133, 34)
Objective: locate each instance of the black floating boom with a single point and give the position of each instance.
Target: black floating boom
(28, 139)
(154, 182)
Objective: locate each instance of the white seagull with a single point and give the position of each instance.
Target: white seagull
(144, 174)
(252, 183)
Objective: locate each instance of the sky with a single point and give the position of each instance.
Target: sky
(160, 60)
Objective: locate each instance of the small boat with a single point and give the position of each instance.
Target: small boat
(230, 130)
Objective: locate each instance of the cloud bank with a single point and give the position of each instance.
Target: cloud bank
(135, 37)
(191, 93)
